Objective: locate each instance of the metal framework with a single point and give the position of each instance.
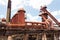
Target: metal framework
(19, 29)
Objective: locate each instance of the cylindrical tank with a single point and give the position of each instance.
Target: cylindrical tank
(21, 16)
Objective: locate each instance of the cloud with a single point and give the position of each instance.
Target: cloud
(56, 13)
(37, 3)
(22, 3)
(33, 3)
(16, 4)
(2, 16)
(3, 2)
(32, 18)
(59, 19)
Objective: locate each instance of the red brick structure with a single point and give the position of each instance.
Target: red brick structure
(19, 17)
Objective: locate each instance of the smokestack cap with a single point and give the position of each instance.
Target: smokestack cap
(21, 9)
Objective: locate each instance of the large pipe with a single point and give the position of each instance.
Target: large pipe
(8, 11)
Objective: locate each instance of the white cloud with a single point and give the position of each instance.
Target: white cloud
(32, 18)
(3, 2)
(37, 3)
(56, 13)
(2, 16)
(33, 3)
(21, 3)
(16, 4)
(59, 19)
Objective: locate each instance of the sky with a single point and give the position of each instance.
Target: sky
(32, 8)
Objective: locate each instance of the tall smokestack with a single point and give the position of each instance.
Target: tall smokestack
(8, 11)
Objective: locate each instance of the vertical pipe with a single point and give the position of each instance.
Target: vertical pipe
(25, 37)
(44, 36)
(37, 37)
(10, 38)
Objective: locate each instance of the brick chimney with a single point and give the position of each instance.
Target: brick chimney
(8, 12)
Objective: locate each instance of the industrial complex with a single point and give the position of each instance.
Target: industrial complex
(16, 28)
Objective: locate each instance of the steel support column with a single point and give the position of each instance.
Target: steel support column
(10, 38)
(44, 36)
(25, 37)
